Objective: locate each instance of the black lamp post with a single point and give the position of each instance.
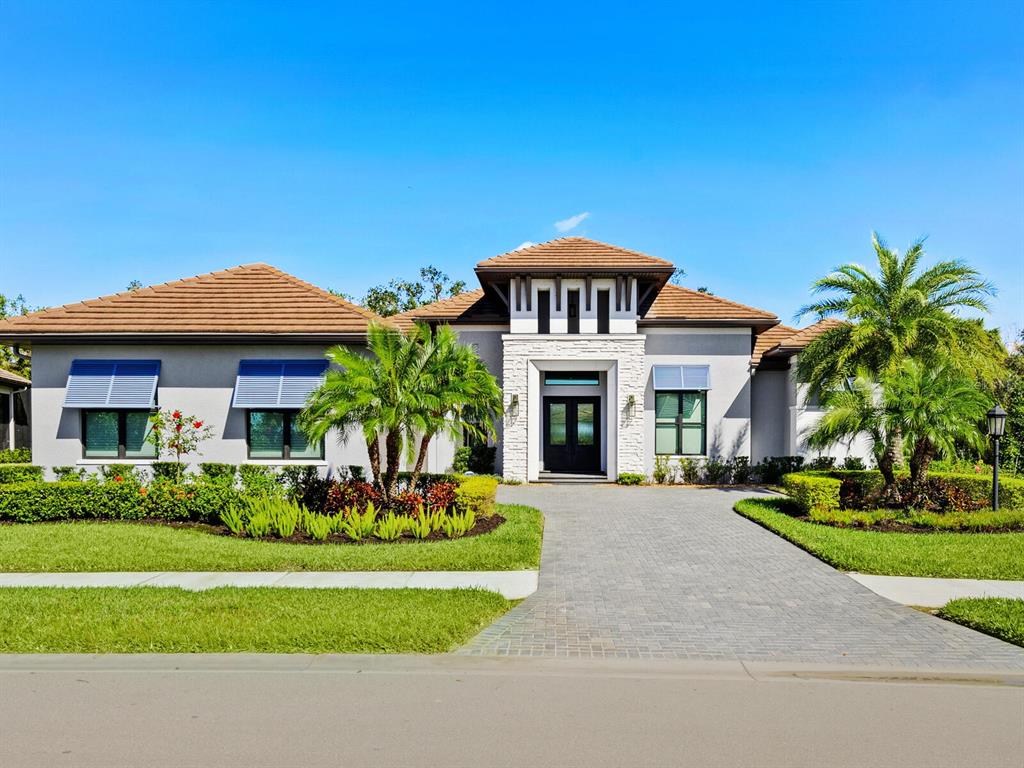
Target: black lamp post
(996, 418)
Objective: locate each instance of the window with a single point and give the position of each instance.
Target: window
(603, 311)
(543, 311)
(571, 378)
(573, 300)
(680, 423)
(5, 421)
(116, 435)
(275, 435)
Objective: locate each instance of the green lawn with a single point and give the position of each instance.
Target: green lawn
(111, 546)
(948, 555)
(230, 620)
(1000, 617)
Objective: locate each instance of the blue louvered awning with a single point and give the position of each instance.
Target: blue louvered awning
(276, 383)
(682, 377)
(112, 384)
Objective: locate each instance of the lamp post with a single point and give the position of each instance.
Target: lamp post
(996, 419)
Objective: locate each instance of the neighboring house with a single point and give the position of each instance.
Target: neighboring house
(604, 365)
(15, 405)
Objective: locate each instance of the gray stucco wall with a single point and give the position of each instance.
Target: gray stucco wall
(769, 423)
(198, 379)
(727, 352)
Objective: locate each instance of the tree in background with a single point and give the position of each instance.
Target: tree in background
(402, 295)
(14, 307)
(1010, 394)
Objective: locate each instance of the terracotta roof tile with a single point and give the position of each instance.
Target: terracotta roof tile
(449, 309)
(674, 302)
(573, 253)
(768, 340)
(805, 336)
(12, 379)
(250, 299)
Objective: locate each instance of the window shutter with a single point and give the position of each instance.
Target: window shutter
(112, 384)
(276, 383)
(670, 377)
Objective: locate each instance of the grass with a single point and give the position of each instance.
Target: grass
(945, 555)
(117, 546)
(232, 620)
(1001, 617)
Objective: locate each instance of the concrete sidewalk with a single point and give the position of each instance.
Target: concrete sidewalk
(513, 585)
(935, 593)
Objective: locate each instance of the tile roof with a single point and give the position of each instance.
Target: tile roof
(674, 302)
(250, 299)
(13, 379)
(574, 253)
(805, 336)
(449, 309)
(768, 340)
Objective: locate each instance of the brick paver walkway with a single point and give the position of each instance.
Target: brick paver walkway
(674, 572)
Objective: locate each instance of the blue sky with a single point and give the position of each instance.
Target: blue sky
(756, 145)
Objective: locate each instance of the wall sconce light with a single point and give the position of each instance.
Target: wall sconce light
(513, 406)
(631, 406)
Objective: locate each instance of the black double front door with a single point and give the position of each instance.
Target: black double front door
(572, 434)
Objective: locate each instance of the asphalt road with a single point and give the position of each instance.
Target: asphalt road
(443, 711)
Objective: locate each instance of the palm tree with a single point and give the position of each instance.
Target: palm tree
(900, 312)
(935, 407)
(457, 392)
(854, 410)
(376, 393)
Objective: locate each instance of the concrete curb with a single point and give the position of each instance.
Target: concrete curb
(935, 593)
(513, 585)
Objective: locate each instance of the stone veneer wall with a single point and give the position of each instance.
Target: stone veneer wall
(621, 354)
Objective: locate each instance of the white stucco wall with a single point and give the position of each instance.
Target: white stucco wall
(804, 415)
(198, 379)
(524, 320)
(727, 352)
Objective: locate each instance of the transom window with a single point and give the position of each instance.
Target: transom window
(571, 378)
(275, 435)
(117, 434)
(680, 423)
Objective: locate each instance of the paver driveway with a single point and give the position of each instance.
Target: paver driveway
(674, 572)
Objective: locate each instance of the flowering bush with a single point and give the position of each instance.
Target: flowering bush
(176, 434)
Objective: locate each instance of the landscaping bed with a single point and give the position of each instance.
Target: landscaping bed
(943, 554)
(94, 545)
(236, 620)
(1001, 617)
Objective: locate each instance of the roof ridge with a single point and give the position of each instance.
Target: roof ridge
(323, 293)
(165, 284)
(577, 238)
(719, 299)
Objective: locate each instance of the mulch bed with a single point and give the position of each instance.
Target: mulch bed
(483, 525)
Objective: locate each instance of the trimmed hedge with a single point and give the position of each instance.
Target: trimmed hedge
(813, 493)
(16, 456)
(33, 502)
(476, 493)
(19, 473)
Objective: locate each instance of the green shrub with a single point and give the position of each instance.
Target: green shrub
(128, 473)
(234, 520)
(19, 473)
(854, 463)
(979, 488)
(630, 478)
(717, 472)
(318, 527)
(69, 473)
(458, 524)
(820, 463)
(36, 501)
(772, 469)
(985, 520)
(664, 473)
(476, 494)
(477, 458)
(359, 525)
(742, 472)
(690, 470)
(357, 471)
(390, 527)
(170, 471)
(259, 525)
(259, 480)
(16, 456)
(216, 472)
(812, 493)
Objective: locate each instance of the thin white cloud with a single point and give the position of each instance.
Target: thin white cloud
(567, 225)
(524, 244)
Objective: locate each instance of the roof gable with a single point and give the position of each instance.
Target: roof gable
(573, 254)
(253, 299)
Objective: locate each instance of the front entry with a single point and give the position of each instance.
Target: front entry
(572, 434)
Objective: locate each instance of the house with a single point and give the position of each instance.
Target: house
(603, 362)
(14, 411)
